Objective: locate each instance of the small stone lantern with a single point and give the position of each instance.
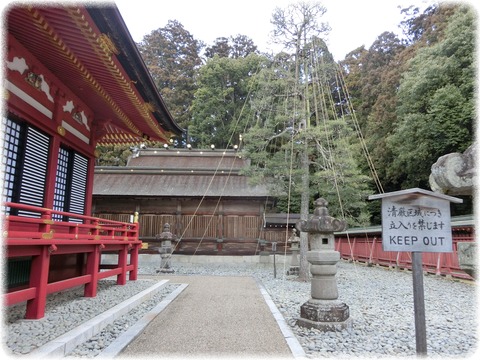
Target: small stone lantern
(323, 311)
(166, 249)
(294, 242)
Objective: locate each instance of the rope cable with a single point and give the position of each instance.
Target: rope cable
(360, 134)
(331, 163)
(213, 177)
(328, 159)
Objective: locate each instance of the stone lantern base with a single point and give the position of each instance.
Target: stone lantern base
(166, 271)
(165, 264)
(294, 270)
(325, 315)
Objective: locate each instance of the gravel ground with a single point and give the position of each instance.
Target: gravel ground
(64, 311)
(380, 301)
(381, 306)
(95, 345)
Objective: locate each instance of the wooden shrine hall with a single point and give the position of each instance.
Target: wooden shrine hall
(74, 79)
(211, 207)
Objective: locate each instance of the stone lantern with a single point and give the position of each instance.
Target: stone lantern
(323, 311)
(294, 242)
(166, 249)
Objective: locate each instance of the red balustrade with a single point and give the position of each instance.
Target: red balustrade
(366, 246)
(41, 233)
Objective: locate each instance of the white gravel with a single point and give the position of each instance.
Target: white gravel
(380, 301)
(381, 307)
(64, 311)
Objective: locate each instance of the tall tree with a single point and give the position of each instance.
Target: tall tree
(172, 56)
(234, 47)
(373, 77)
(425, 28)
(300, 143)
(242, 46)
(276, 143)
(221, 110)
(220, 47)
(292, 27)
(384, 65)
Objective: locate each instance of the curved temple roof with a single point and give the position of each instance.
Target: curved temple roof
(178, 173)
(89, 48)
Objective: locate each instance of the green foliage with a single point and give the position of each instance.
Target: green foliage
(372, 77)
(333, 172)
(113, 155)
(279, 140)
(336, 175)
(235, 47)
(413, 99)
(220, 110)
(435, 103)
(172, 56)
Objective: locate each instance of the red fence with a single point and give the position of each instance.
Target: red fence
(366, 246)
(38, 237)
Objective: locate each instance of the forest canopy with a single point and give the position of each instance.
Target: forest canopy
(375, 121)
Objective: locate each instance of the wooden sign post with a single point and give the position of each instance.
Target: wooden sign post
(416, 221)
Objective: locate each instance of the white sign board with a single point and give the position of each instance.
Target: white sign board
(421, 224)
(416, 221)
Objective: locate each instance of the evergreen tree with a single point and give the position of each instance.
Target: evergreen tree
(301, 142)
(220, 111)
(172, 55)
(275, 145)
(113, 155)
(373, 78)
(436, 107)
(234, 47)
(300, 118)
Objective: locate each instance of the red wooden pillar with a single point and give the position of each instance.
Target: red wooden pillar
(122, 263)
(54, 149)
(89, 187)
(93, 261)
(438, 268)
(39, 281)
(134, 261)
(52, 172)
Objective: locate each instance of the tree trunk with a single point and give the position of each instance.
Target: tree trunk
(304, 271)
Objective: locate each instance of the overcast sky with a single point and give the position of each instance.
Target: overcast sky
(353, 22)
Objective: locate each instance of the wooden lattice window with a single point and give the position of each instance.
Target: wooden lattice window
(70, 183)
(25, 159)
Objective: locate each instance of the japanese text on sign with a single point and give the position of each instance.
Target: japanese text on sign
(411, 227)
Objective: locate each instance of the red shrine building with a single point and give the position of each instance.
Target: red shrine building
(74, 79)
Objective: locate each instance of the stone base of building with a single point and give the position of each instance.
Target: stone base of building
(325, 315)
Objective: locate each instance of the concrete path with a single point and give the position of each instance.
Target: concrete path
(214, 316)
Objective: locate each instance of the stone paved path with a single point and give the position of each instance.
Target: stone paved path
(213, 316)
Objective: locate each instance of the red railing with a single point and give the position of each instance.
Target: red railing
(41, 233)
(40, 223)
(366, 246)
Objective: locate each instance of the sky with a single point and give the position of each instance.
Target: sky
(353, 22)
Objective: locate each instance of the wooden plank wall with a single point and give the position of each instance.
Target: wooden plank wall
(206, 226)
(239, 234)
